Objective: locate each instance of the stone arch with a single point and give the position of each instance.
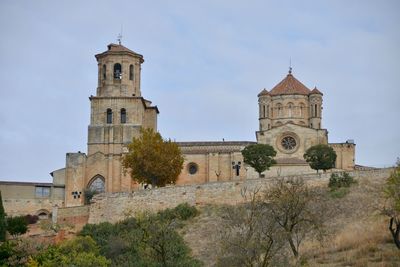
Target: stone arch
(43, 214)
(97, 184)
(117, 71)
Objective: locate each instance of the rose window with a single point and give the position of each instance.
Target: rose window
(288, 143)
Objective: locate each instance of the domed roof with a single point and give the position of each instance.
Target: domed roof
(290, 86)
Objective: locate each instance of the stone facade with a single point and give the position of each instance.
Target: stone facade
(22, 198)
(290, 120)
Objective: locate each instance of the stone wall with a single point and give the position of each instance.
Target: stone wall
(114, 207)
(73, 215)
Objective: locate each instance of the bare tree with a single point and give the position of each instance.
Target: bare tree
(297, 211)
(392, 206)
(250, 237)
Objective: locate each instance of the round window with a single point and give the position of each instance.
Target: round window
(288, 143)
(192, 168)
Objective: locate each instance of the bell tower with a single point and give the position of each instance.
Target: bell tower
(118, 110)
(119, 72)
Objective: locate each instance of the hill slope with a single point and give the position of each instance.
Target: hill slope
(357, 233)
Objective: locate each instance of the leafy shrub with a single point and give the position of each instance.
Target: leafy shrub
(182, 212)
(339, 192)
(17, 225)
(185, 211)
(339, 180)
(80, 251)
(88, 195)
(145, 240)
(31, 219)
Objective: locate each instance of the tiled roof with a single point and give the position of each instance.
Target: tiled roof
(263, 92)
(315, 91)
(117, 48)
(290, 86)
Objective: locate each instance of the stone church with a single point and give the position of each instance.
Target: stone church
(290, 120)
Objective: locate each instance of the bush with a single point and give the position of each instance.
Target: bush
(339, 180)
(339, 192)
(31, 219)
(88, 195)
(182, 212)
(17, 225)
(185, 211)
(145, 240)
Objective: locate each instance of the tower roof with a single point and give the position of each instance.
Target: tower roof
(118, 49)
(316, 91)
(290, 86)
(263, 92)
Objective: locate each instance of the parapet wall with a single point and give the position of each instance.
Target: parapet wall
(113, 207)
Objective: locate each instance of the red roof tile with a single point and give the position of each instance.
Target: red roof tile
(116, 48)
(263, 92)
(290, 86)
(316, 91)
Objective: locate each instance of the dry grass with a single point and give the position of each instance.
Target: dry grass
(357, 234)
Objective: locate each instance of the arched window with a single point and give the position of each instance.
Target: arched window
(301, 109)
(123, 115)
(97, 184)
(267, 111)
(315, 111)
(104, 72)
(279, 107)
(263, 111)
(290, 109)
(131, 72)
(117, 71)
(109, 115)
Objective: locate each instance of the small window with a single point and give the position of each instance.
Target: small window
(131, 72)
(315, 112)
(263, 111)
(192, 168)
(123, 115)
(104, 72)
(117, 71)
(109, 115)
(42, 191)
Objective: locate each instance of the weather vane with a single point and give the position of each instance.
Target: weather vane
(290, 65)
(119, 38)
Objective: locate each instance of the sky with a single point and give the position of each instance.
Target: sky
(205, 63)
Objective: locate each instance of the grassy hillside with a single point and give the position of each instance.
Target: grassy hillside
(356, 232)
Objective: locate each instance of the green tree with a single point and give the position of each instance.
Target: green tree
(2, 221)
(392, 208)
(320, 157)
(80, 251)
(259, 156)
(146, 240)
(17, 225)
(153, 160)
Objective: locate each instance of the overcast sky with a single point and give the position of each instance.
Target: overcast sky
(205, 63)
